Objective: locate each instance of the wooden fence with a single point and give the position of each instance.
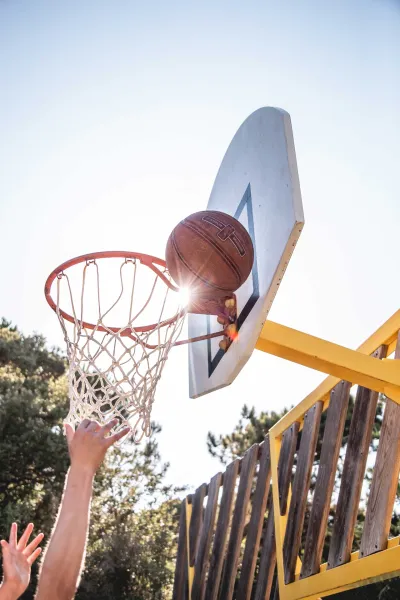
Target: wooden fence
(231, 539)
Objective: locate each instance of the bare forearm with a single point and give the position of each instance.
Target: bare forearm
(7, 593)
(63, 559)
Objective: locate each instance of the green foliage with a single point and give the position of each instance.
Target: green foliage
(132, 542)
(251, 429)
(33, 455)
(132, 555)
(29, 355)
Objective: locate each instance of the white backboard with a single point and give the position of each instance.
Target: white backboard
(258, 184)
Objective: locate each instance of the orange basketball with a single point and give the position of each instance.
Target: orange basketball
(210, 252)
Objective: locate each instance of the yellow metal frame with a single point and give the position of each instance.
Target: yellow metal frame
(358, 367)
(190, 569)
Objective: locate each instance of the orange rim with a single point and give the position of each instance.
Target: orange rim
(152, 262)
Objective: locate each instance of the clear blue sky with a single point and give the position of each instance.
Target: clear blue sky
(116, 114)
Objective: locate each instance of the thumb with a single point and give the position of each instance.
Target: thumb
(69, 433)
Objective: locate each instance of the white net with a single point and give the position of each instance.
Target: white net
(114, 371)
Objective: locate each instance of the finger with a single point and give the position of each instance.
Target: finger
(25, 537)
(107, 427)
(34, 544)
(117, 436)
(93, 426)
(69, 432)
(13, 535)
(5, 550)
(84, 423)
(6, 555)
(34, 556)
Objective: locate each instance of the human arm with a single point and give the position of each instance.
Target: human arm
(18, 557)
(63, 559)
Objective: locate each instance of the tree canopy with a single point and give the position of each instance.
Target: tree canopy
(132, 542)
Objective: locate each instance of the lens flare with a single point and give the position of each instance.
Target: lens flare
(184, 296)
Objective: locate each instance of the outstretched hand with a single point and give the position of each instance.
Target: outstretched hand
(18, 557)
(89, 443)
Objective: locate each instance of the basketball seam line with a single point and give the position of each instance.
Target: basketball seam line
(207, 283)
(232, 236)
(207, 238)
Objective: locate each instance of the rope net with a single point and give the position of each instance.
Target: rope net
(114, 371)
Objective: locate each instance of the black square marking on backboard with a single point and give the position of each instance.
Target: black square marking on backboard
(245, 203)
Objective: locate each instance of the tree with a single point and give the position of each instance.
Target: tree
(132, 556)
(251, 429)
(33, 455)
(133, 537)
(134, 522)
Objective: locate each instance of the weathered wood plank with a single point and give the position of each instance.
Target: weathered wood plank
(286, 460)
(331, 443)
(238, 520)
(301, 485)
(267, 558)
(202, 557)
(360, 434)
(384, 480)
(276, 593)
(180, 580)
(221, 531)
(268, 551)
(254, 530)
(196, 521)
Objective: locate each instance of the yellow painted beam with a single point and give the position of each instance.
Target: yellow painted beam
(377, 567)
(279, 521)
(392, 543)
(386, 334)
(356, 367)
(190, 569)
(299, 565)
(319, 354)
(392, 347)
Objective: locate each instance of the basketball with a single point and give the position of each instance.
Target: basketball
(210, 252)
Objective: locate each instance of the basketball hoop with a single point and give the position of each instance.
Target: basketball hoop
(115, 366)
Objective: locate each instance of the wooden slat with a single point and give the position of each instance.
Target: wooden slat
(239, 515)
(267, 558)
(180, 581)
(360, 434)
(333, 434)
(196, 521)
(384, 480)
(268, 551)
(221, 531)
(202, 557)
(301, 485)
(276, 593)
(286, 460)
(254, 530)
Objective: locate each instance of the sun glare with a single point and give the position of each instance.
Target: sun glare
(184, 296)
